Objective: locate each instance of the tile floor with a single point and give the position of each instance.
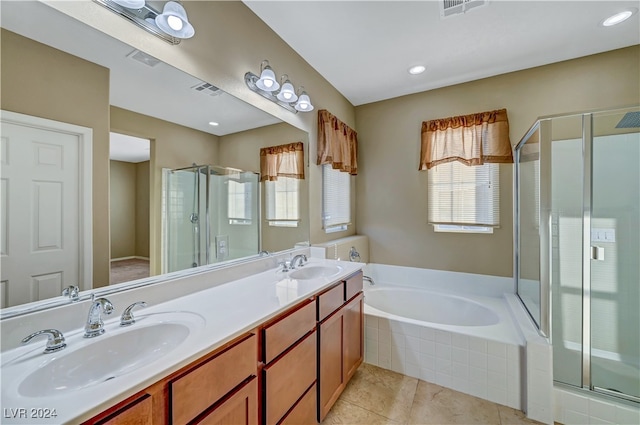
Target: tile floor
(379, 396)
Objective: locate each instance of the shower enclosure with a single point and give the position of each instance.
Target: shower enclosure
(577, 239)
(209, 214)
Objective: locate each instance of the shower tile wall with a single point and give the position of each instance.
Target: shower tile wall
(483, 368)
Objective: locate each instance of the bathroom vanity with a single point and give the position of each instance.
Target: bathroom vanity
(278, 350)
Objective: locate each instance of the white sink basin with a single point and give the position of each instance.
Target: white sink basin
(117, 352)
(314, 272)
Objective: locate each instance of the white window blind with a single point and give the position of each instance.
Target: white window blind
(239, 202)
(464, 195)
(282, 202)
(336, 198)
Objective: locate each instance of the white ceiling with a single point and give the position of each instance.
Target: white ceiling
(128, 148)
(364, 48)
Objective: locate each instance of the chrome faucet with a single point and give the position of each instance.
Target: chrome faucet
(95, 325)
(127, 317)
(71, 292)
(300, 258)
(368, 279)
(55, 341)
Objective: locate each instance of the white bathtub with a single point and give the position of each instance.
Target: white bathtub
(425, 329)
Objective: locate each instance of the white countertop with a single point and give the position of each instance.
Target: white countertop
(227, 311)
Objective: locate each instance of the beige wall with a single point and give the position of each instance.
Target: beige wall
(143, 196)
(391, 196)
(172, 146)
(242, 150)
(44, 82)
(122, 206)
(231, 40)
(129, 209)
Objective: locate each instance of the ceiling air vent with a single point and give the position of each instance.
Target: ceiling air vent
(630, 120)
(207, 88)
(457, 7)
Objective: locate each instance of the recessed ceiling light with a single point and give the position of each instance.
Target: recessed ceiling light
(213, 123)
(618, 17)
(415, 70)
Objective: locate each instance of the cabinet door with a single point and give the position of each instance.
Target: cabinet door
(137, 413)
(331, 377)
(239, 409)
(353, 336)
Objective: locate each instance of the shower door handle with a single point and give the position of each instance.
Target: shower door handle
(597, 253)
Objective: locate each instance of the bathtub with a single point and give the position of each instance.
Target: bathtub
(422, 327)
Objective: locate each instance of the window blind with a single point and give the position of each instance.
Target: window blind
(282, 201)
(464, 195)
(336, 197)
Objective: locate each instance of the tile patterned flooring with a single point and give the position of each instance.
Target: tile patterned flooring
(379, 396)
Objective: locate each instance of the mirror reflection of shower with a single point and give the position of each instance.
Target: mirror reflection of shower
(210, 214)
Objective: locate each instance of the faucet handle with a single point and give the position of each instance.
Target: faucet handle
(285, 265)
(55, 341)
(71, 292)
(127, 316)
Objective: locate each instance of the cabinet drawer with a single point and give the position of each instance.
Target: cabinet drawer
(330, 301)
(194, 392)
(305, 411)
(353, 285)
(285, 332)
(287, 379)
(241, 408)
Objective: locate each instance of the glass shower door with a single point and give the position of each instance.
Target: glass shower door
(615, 253)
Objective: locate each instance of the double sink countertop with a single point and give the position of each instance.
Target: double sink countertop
(91, 375)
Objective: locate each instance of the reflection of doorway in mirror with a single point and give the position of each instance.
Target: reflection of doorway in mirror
(129, 207)
(46, 208)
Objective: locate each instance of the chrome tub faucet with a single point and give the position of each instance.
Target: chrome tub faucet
(95, 325)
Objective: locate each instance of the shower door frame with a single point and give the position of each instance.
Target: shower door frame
(544, 125)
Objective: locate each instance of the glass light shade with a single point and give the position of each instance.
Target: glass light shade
(287, 93)
(304, 103)
(267, 81)
(173, 21)
(131, 4)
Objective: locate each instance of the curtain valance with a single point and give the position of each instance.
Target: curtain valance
(282, 161)
(337, 143)
(473, 139)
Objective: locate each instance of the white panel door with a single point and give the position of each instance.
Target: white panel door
(40, 225)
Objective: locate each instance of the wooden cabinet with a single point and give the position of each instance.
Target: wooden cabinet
(200, 387)
(290, 356)
(241, 408)
(341, 345)
(137, 412)
(304, 412)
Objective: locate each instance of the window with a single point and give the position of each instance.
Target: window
(336, 199)
(464, 198)
(282, 202)
(239, 202)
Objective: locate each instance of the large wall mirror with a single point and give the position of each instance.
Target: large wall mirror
(174, 180)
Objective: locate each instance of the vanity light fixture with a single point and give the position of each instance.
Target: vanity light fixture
(287, 92)
(267, 81)
(173, 20)
(618, 18)
(267, 86)
(171, 25)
